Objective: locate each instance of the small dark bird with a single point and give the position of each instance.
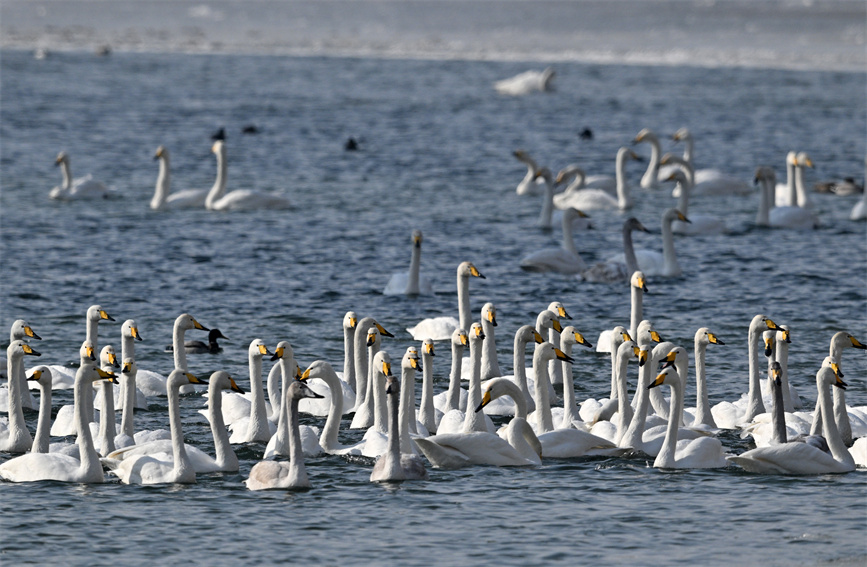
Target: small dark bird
(250, 129)
(586, 134)
(219, 134)
(351, 145)
(199, 347)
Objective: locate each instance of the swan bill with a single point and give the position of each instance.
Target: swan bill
(382, 331)
(769, 346)
(655, 337)
(263, 350)
(642, 357)
(35, 376)
(278, 353)
(105, 316)
(714, 339)
(429, 348)
(486, 399)
(856, 343)
(135, 333)
(29, 332)
(197, 325)
(32, 352)
(537, 337)
(557, 326)
(579, 339)
(658, 381)
(563, 356)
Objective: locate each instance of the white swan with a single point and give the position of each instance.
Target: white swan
(731, 415)
(41, 375)
(698, 223)
(398, 462)
(285, 368)
(107, 424)
(149, 469)
(610, 271)
(441, 328)
(710, 182)
(367, 413)
(859, 210)
(702, 415)
(240, 199)
(280, 474)
(81, 188)
(594, 198)
(154, 384)
(163, 449)
(804, 458)
(361, 358)
(637, 289)
(255, 425)
(580, 180)
(455, 397)
(802, 160)
(14, 435)
(426, 410)
(129, 334)
(562, 260)
(20, 331)
(456, 450)
(780, 217)
(163, 200)
(650, 179)
(528, 184)
(698, 453)
(660, 264)
(57, 466)
(411, 282)
(839, 341)
(526, 83)
(786, 194)
(504, 405)
(454, 420)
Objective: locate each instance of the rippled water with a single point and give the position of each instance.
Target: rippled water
(435, 154)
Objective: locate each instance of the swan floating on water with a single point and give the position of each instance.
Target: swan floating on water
(411, 282)
(441, 328)
(710, 182)
(78, 189)
(163, 199)
(526, 83)
(793, 217)
(239, 199)
(596, 198)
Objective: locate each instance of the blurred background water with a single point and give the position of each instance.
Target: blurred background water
(435, 154)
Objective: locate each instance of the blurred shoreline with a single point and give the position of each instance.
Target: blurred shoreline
(801, 35)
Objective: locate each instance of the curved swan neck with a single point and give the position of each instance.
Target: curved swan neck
(546, 216)
(163, 184)
(624, 200)
(629, 251)
(412, 284)
(328, 439)
(67, 174)
(453, 399)
(219, 187)
(225, 455)
(43, 427)
(832, 434)
(649, 179)
(543, 404)
(475, 420)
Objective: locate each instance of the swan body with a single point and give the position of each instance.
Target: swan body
(654, 263)
(163, 199)
(526, 83)
(309, 436)
(528, 184)
(60, 467)
(398, 462)
(710, 182)
(411, 282)
(280, 474)
(791, 217)
(441, 328)
(596, 198)
(804, 458)
(78, 189)
(240, 199)
(255, 427)
(20, 331)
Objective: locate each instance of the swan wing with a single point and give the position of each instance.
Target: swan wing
(557, 260)
(248, 200)
(186, 199)
(586, 200)
(435, 328)
(570, 443)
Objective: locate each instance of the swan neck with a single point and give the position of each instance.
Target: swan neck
(624, 199)
(633, 436)
(755, 406)
(475, 420)
(380, 408)
(361, 360)
(92, 333)
(179, 353)
(666, 458)
(778, 417)
(328, 439)
(406, 408)
(67, 174)
(649, 179)
(258, 412)
(43, 427)
(568, 238)
(791, 185)
(490, 364)
(427, 414)
(623, 407)
(225, 456)
(683, 200)
(349, 356)
(766, 196)
(543, 404)
(464, 302)
(163, 184)
(127, 388)
(829, 426)
(412, 285)
(219, 187)
(568, 389)
(546, 216)
(87, 453)
(669, 256)
(688, 145)
(107, 423)
(703, 415)
(394, 432)
(454, 394)
(296, 452)
(637, 310)
(17, 425)
(629, 252)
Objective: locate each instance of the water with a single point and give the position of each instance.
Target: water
(435, 155)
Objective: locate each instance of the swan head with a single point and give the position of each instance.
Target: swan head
(524, 157)
(776, 374)
(638, 281)
(803, 160)
(382, 364)
(762, 322)
(161, 153)
(570, 172)
(489, 314)
(382, 330)
(547, 351)
(625, 153)
(667, 376)
(460, 338)
(545, 174)
(792, 158)
(827, 376)
(681, 134)
(497, 388)
(559, 310)
(258, 349)
(97, 313)
(547, 319)
(104, 375)
(392, 385)
(283, 350)
(22, 329)
(129, 367)
(130, 329)
(185, 322)
(646, 135)
(373, 337)
(769, 337)
(218, 147)
(416, 238)
(765, 175)
(784, 335)
(107, 357)
(299, 390)
(646, 333)
(676, 175)
(619, 335)
(842, 339)
(628, 350)
(427, 347)
(411, 359)
(87, 352)
(350, 320)
(62, 157)
(572, 336)
(633, 223)
(466, 269)
(672, 215)
(676, 357)
(41, 375)
(179, 377)
(219, 380)
(704, 336)
(476, 333)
